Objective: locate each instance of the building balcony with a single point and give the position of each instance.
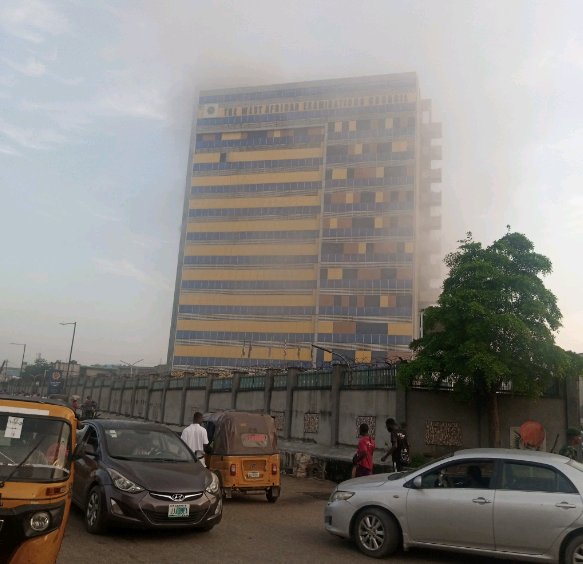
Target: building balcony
(431, 130)
(431, 175)
(430, 199)
(430, 223)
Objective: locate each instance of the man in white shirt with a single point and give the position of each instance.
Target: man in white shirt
(195, 435)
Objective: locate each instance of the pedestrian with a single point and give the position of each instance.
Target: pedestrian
(571, 449)
(363, 458)
(195, 435)
(398, 449)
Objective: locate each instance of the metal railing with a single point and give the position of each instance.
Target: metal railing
(315, 379)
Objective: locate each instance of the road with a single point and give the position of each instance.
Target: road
(252, 530)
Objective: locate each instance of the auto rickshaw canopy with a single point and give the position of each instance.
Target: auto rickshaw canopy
(241, 433)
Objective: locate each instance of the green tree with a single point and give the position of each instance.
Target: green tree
(37, 369)
(493, 327)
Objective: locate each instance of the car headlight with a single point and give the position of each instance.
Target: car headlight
(122, 483)
(340, 496)
(214, 486)
(40, 521)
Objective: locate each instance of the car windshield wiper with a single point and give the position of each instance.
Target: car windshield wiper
(20, 464)
(165, 459)
(7, 457)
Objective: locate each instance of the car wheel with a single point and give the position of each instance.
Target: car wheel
(94, 512)
(271, 497)
(376, 533)
(574, 550)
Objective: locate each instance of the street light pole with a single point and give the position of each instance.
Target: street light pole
(22, 361)
(74, 324)
(331, 352)
(131, 365)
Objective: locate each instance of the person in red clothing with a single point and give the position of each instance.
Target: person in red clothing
(366, 447)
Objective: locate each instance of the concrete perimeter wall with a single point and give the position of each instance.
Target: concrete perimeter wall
(327, 407)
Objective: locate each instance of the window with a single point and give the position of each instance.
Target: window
(474, 474)
(518, 476)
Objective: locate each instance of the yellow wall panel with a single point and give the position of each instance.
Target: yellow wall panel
(349, 198)
(409, 247)
(327, 357)
(334, 274)
(258, 178)
(380, 171)
(362, 356)
(207, 157)
(274, 154)
(379, 197)
(388, 123)
(251, 202)
(378, 222)
(399, 146)
(326, 327)
(252, 250)
(254, 274)
(358, 149)
(338, 127)
(339, 174)
(361, 248)
(196, 298)
(384, 301)
(333, 224)
(277, 352)
(237, 325)
(232, 136)
(352, 125)
(231, 226)
(402, 329)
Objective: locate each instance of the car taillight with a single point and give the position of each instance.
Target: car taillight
(233, 470)
(274, 468)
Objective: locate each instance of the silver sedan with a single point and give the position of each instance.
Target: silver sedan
(514, 504)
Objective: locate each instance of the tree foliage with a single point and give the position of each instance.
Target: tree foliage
(493, 326)
(37, 369)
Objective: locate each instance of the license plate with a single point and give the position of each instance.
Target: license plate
(253, 474)
(178, 510)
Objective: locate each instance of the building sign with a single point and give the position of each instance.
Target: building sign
(55, 383)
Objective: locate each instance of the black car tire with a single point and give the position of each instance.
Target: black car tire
(94, 512)
(574, 550)
(271, 498)
(376, 533)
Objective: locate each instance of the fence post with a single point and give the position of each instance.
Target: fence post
(400, 399)
(133, 398)
(149, 399)
(207, 392)
(163, 402)
(185, 380)
(292, 382)
(267, 392)
(336, 383)
(235, 383)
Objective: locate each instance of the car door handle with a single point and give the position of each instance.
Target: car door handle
(481, 500)
(565, 505)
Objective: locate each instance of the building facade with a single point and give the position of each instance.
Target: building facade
(309, 219)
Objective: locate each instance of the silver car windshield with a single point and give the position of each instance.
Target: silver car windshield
(33, 448)
(146, 444)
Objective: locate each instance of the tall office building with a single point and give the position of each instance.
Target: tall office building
(309, 218)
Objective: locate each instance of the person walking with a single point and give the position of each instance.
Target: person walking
(398, 449)
(195, 435)
(363, 458)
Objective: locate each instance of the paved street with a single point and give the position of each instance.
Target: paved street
(289, 531)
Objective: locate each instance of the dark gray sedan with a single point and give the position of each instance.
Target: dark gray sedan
(142, 475)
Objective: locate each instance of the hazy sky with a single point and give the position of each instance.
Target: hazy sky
(96, 100)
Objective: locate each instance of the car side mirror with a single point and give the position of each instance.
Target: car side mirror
(79, 452)
(418, 482)
(198, 455)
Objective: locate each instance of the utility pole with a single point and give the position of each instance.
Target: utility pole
(74, 324)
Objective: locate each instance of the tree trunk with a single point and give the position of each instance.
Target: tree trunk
(493, 421)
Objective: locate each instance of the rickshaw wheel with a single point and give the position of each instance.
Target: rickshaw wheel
(270, 497)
